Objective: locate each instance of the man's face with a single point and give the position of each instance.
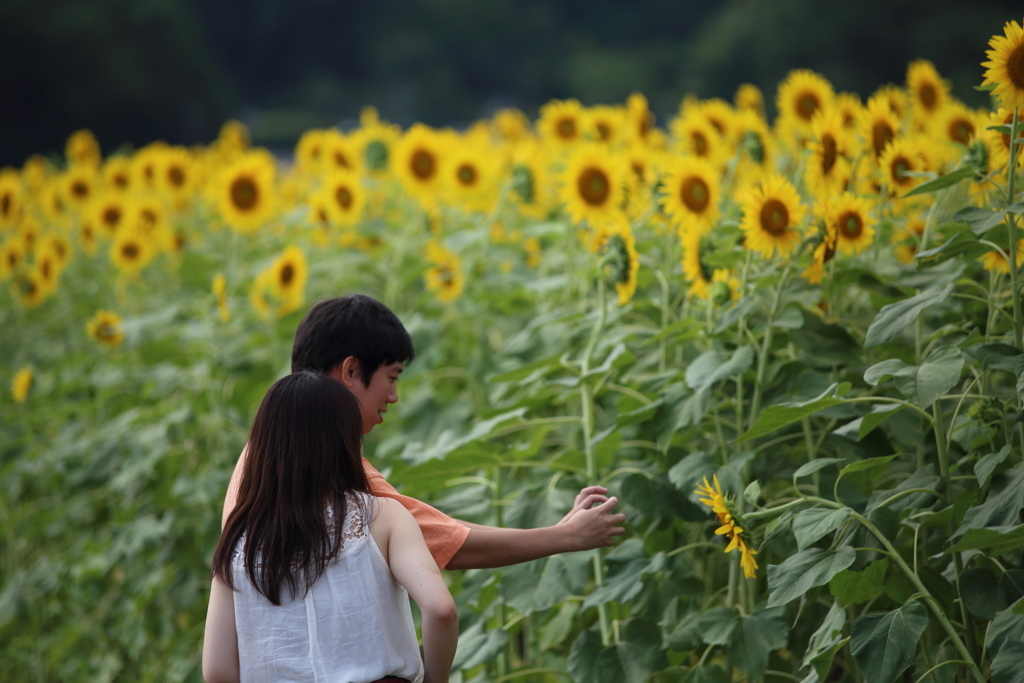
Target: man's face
(373, 399)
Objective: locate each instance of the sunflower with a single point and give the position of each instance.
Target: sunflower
(826, 249)
(511, 124)
(850, 217)
(592, 186)
(234, 136)
(721, 116)
(748, 97)
(245, 192)
(757, 148)
(908, 239)
(619, 261)
(827, 167)
(772, 217)
(287, 277)
(87, 236)
(605, 124)
(697, 273)
(956, 124)
(105, 328)
(691, 194)
(470, 174)
(339, 152)
(929, 92)
(531, 187)
(375, 140)
(117, 173)
(533, 251)
(130, 252)
(36, 172)
(220, 292)
(21, 384)
(12, 255)
(879, 125)
(639, 119)
(1001, 141)
(1005, 65)
(59, 247)
(896, 97)
(78, 186)
(176, 173)
(46, 272)
(82, 149)
(417, 162)
(850, 109)
(148, 220)
(29, 232)
(342, 197)
(28, 290)
(695, 135)
(802, 95)
(561, 122)
(146, 166)
(995, 260)
(901, 157)
(309, 150)
(724, 510)
(445, 274)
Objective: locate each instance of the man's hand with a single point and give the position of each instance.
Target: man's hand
(589, 527)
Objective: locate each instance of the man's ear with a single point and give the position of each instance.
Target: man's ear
(348, 372)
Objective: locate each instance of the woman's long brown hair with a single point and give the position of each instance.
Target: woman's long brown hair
(302, 457)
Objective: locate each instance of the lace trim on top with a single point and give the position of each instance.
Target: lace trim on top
(356, 526)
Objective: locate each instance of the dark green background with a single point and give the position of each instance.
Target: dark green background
(138, 70)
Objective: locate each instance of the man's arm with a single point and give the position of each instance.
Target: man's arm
(583, 528)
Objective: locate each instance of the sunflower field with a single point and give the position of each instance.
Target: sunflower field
(792, 348)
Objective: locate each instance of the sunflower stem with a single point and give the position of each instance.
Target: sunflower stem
(1011, 226)
(762, 361)
(588, 447)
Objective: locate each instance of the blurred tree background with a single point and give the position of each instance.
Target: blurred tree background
(138, 70)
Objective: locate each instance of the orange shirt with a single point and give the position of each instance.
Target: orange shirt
(444, 536)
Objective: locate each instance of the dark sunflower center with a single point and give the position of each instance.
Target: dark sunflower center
(130, 251)
(928, 95)
(466, 174)
(422, 164)
(718, 124)
(80, 189)
(5, 204)
(120, 180)
(851, 225)
(900, 165)
(287, 274)
(694, 194)
(565, 128)
(881, 135)
(774, 217)
(828, 153)
(604, 131)
(522, 182)
(343, 197)
(593, 186)
(806, 104)
(700, 143)
(46, 269)
(638, 169)
(176, 176)
(341, 160)
(446, 274)
(244, 193)
(149, 217)
(961, 130)
(112, 216)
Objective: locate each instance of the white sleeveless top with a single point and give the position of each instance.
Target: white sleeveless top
(353, 626)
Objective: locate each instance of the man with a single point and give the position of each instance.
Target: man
(362, 343)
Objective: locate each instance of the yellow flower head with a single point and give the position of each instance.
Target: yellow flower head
(11, 198)
(561, 122)
(343, 197)
(639, 119)
(1000, 142)
(605, 124)
(929, 92)
(79, 185)
(616, 244)
(695, 135)
(849, 216)
(245, 192)
(995, 261)
(772, 217)
(901, 158)
(802, 95)
(176, 173)
(470, 175)
(1005, 65)
(445, 275)
(117, 173)
(105, 328)
(592, 184)
(287, 279)
(109, 212)
(417, 161)
(879, 125)
(82, 149)
(748, 97)
(692, 193)
(21, 384)
(339, 152)
(827, 167)
(309, 151)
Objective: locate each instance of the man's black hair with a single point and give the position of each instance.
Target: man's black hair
(353, 325)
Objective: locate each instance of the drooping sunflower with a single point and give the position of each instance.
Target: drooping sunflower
(850, 217)
(511, 124)
(639, 119)
(343, 197)
(83, 150)
(995, 261)
(772, 217)
(21, 384)
(1001, 141)
(105, 328)
(245, 192)
(593, 182)
(757, 148)
(287, 279)
(802, 95)
(11, 199)
(825, 251)
(470, 175)
(1005, 66)
(748, 97)
(831, 143)
(697, 273)
(692, 193)
(131, 252)
(620, 262)
(901, 158)
(561, 122)
(444, 277)
(339, 152)
(531, 185)
(879, 125)
(929, 92)
(724, 510)
(417, 162)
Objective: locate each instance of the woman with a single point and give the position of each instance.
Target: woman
(304, 576)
